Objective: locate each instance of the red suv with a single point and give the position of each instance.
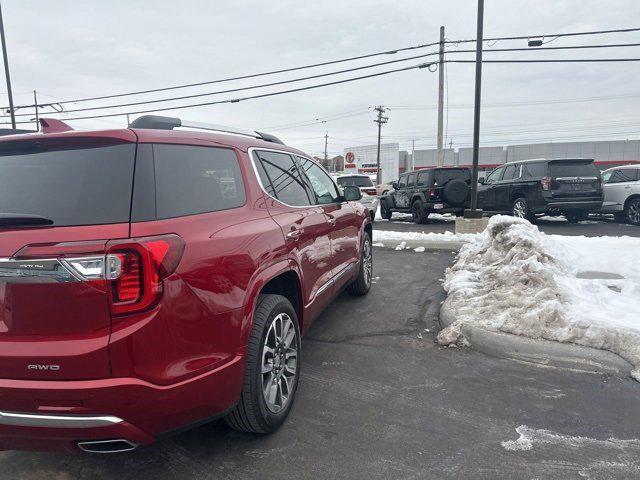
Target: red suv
(152, 279)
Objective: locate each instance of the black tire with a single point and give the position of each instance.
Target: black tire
(520, 209)
(575, 217)
(385, 212)
(632, 211)
(362, 284)
(418, 212)
(455, 192)
(251, 413)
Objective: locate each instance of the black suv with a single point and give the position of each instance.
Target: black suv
(567, 186)
(441, 190)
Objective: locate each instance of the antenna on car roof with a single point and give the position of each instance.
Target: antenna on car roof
(52, 125)
(159, 122)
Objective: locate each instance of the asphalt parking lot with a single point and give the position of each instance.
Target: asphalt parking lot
(595, 226)
(380, 400)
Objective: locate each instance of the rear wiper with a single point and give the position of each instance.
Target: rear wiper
(23, 220)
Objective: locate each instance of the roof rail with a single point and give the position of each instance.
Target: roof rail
(160, 122)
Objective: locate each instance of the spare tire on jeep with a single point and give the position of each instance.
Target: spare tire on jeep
(455, 192)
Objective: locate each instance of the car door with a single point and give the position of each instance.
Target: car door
(618, 185)
(306, 227)
(341, 215)
(400, 196)
(487, 191)
(505, 186)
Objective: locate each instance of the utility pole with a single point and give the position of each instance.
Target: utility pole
(326, 139)
(381, 120)
(413, 153)
(35, 104)
(474, 212)
(440, 158)
(6, 71)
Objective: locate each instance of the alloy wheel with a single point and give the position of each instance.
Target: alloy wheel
(633, 212)
(520, 209)
(279, 362)
(367, 260)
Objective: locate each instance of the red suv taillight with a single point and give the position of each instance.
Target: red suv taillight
(433, 192)
(143, 264)
(546, 183)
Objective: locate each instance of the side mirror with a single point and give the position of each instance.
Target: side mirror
(394, 185)
(482, 181)
(352, 193)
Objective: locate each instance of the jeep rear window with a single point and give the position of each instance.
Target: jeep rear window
(355, 181)
(71, 186)
(573, 168)
(443, 176)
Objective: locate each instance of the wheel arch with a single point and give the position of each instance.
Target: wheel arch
(635, 196)
(282, 278)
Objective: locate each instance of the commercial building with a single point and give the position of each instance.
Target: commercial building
(606, 154)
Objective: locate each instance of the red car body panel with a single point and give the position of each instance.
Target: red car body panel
(181, 361)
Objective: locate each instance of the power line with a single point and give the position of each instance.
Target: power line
(263, 95)
(555, 35)
(552, 60)
(253, 75)
(330, 62)
(239, 89)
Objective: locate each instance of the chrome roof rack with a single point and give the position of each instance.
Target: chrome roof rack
(159, 122)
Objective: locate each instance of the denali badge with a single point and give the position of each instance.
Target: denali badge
(51, 368)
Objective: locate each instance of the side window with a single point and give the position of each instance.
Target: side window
(511, 172)
(283, 177)
(402, 182)
(411, 180)
(191, 180)
(495, 175)
(622, 175)
(534, 170)
(422, 179)
(324, 188)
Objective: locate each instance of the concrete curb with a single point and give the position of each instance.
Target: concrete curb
(542, 352)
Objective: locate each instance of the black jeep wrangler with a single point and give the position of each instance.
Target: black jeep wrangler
(568, 186)
(441, 190)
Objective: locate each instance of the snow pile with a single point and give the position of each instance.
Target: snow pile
(388, 236)
(515, 279)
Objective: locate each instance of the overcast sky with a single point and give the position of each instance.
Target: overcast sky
(69, 49)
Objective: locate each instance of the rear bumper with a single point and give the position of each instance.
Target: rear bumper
(56, 415)
(575, 205)
(371, 202)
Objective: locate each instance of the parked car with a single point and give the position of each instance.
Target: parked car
(441, 190)
(383, 188)
(152, 279)
(566, 186)
(622, 193)
(369, 194)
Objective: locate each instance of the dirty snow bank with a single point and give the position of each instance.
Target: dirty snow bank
(388, 236)
(516, 279)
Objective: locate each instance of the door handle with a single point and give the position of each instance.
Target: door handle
(331, 221)
(294, 234)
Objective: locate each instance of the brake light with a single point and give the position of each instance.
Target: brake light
(370, 191)
(145, 262)
(433, 192)
(546, 183)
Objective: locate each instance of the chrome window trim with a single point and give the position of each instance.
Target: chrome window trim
(56, 421)
(250, 151)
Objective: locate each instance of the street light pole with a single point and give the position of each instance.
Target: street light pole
(6, 71)
(474, 212)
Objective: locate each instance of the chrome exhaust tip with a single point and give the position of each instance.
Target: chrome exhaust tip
(107, 446)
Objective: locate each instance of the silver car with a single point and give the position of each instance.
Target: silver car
(621, 187)
(368, 190)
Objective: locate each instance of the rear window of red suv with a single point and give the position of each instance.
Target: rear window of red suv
(70, 186)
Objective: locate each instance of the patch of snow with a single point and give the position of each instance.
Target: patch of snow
(389, 236)
(401, 246)
(419, 249)
(518, 280)
(378, 244)
(530, 437)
